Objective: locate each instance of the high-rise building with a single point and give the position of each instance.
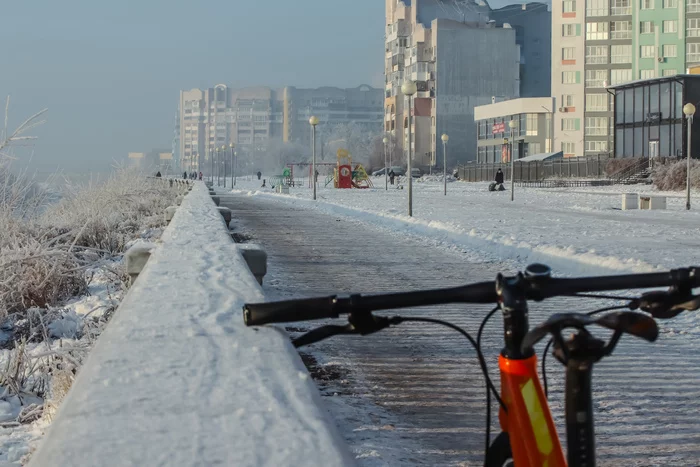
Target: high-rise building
(251, 117)
(460, 57)
(599, 43)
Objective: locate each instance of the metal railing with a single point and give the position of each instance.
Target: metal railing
(574, 167)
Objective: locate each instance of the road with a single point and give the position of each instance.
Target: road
(413, 395)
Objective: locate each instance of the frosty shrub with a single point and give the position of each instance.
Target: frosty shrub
(44, 252)
(672, 176)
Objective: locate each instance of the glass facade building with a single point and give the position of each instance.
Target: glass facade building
(649, 120)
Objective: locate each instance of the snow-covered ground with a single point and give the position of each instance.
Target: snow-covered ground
(575, 230)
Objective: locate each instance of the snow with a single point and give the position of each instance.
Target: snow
(576, 231)
(177, 379)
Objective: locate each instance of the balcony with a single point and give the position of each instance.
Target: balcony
(620, 10)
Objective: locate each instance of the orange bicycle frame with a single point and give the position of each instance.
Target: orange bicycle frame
(533, 438)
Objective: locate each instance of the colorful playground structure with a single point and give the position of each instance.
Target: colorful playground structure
(343, 176)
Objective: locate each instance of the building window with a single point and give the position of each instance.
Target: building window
(621, 7)
(568, 77)
(670, 26)
(531, 125)
(670, 50)
(569, 124)
(693, 28)
(596, 126)
(568, 30)
(621, 54)
(597, 54)
(692, 6)
(692, 53)
(596, 31)
(669, 73)
(621, 30)
(646, 4)
(647, 74)
(596, 78)
(568, 53)
(646, 27)
(567, 100)
(596, 146)
(596, 102)
(568, 148)
(670, 3)
(569, 6)
(647, 51)
(620, 76)
(534, 148)
(596, 7)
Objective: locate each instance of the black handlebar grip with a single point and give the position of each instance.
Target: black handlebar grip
(287, 311)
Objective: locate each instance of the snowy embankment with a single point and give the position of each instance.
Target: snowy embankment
(577, 231)
(177, 379)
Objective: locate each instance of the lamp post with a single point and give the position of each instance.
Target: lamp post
(689, 111)
(444, 139)
(409, 88)
(385, 140)
(233, 166)
(511, 125)
(223, 153)
(218, 167)
(211, 157)
(313, 121)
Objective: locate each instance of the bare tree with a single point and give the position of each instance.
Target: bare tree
(356, 138)
(18, 136)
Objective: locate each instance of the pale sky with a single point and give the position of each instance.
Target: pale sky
(110, 71)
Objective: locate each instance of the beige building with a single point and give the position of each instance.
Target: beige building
(252, 117)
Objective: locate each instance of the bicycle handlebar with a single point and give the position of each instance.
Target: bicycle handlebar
(534, 288)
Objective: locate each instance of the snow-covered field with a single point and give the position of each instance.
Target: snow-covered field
(575, 230)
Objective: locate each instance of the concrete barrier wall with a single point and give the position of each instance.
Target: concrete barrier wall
(177, 379)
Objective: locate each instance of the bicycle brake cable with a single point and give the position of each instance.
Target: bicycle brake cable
(489, 384)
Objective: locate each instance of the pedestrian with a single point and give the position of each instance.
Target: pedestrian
(158, 174)
(263, 185)
(259, 175)
(391, 176)
(184, 175)
(200, 174)
(499, 177)
(316, 177)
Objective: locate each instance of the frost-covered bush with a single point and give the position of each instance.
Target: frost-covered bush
(44, 251)
(672, 176)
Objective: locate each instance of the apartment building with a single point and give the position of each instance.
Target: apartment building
(252, 117)
(459, 57)
(601, 43)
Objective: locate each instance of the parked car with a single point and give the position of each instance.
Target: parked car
(398, 171)
(416, 172)
(379, 172)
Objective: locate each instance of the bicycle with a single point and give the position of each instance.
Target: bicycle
(524, 409)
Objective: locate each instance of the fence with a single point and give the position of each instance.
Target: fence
(574, 167)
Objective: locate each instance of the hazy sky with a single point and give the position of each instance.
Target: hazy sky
(110, 71)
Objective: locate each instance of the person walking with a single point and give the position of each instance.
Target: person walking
(259, 174)
(184, 175)
(200, 175)
(158, 174)
(391, 176)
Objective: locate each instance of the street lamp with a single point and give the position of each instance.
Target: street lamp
(385, 140)
(313, 121)
(512, 125)
(409, 88)
(233, 167)
(211, 157)
(223, 153)
(689, 111)
(444, 139)
(218, 168)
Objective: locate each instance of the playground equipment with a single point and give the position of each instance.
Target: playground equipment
(344, 176)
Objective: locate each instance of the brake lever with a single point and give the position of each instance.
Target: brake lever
(666, 304)
(321, 333)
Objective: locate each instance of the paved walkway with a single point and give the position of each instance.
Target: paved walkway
(413, 395)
